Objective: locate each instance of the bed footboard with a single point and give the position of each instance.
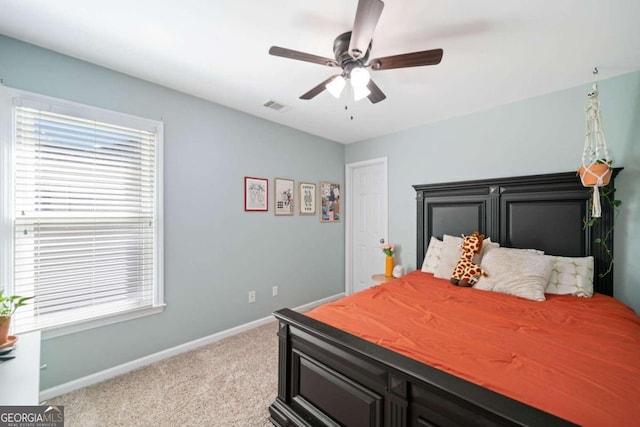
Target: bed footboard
(327, 377)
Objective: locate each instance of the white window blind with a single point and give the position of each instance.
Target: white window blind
(85, 219)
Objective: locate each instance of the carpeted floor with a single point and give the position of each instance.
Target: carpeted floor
(229, 383)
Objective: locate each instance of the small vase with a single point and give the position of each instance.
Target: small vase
(5, 322)
(388, 267)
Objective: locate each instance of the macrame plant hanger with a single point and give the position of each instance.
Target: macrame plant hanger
(596, 162)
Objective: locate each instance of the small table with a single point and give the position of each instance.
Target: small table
(381, 278)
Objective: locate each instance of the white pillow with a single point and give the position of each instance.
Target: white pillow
(515, 272)
(432, 257)
(451, 253)
(571, 276)
(528, 251)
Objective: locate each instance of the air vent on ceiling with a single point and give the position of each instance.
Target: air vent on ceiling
(274, 105)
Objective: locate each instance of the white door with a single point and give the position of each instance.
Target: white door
(366, 222)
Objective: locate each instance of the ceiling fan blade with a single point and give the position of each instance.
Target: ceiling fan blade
(414, 59)
(301, 56)
(376, 94)
(318, 89)
(367, 16)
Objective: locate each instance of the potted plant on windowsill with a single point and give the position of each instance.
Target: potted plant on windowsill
(8, 306)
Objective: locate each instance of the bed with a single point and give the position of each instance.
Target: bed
(331, 376)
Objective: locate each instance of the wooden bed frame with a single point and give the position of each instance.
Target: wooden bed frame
(327, 377)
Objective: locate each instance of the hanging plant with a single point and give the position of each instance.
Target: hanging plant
(596, 171)
(596, 162)
(590, 174)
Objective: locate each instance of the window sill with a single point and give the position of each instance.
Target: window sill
(84, 325)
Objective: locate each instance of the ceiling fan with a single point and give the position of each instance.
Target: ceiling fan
(351, 51)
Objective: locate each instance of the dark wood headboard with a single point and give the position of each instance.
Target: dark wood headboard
(545, 212)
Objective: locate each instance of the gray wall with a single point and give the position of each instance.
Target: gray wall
(214, 251)
(539, 135)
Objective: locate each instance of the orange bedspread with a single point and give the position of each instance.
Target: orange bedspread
(577, 358)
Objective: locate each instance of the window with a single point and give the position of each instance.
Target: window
(84, 217)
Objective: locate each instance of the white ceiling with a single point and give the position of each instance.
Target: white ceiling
(495, 52)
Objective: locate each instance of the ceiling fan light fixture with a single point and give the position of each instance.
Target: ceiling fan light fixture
(360, 92)
(359, 77)
(336, 86)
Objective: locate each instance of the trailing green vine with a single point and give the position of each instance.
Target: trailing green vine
(605, 193)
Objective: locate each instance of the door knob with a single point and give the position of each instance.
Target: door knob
(382, 240)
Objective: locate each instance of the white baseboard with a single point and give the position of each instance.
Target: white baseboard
(174, 351)
(318, 303)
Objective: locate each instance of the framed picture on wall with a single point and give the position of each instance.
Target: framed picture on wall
(283, 196)
(307, 198)
(256, 194)
(331, 197)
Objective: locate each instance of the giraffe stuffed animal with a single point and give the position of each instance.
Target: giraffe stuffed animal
(467, 272)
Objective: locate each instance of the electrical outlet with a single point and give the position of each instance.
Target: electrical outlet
(274, 291)
(252, 297)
